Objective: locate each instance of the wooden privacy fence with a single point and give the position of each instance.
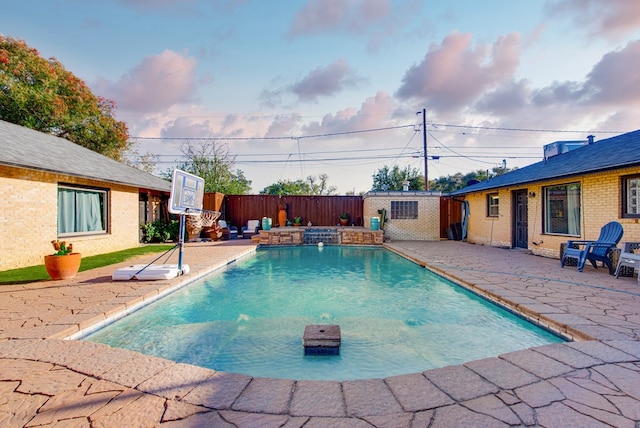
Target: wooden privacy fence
(319, 210)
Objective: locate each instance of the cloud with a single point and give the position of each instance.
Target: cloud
(605, 99)
(155, 84)
(325, 81)
(283, 125)
(373, 113)
(354, 16)
(182, 6)
(321, 82)
(612, 82)
(616, 79)
(508, 98)
(455, 74)
(608, 18)
(154, 4)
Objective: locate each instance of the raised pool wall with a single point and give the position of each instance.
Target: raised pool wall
(315, 234)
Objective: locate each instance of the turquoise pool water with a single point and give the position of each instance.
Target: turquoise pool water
(395, 317)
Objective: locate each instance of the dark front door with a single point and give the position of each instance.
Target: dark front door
(521, 230)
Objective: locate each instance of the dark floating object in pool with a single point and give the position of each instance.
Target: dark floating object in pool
(321, 339)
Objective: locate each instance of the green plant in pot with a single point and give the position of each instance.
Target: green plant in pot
(64, 263)
(297, 221)
(344, 219)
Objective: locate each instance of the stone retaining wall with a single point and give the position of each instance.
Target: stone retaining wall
(295, 236)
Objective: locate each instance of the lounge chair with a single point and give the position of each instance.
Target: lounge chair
(629, 259)
(228, 232)
(595, 251)
(251, 228)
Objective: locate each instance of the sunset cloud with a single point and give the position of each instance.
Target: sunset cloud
(155, 84)
(321, 82)
(455, 73)
(608, 18)
(354, 16)
(325, 81)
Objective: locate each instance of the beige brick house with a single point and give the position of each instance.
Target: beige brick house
(577, 188)
(51, 188)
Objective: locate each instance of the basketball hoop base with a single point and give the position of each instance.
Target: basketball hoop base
(149, 272)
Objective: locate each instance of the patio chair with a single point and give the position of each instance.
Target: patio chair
(629, 259)
(595, 251)
(228, 232)
(251, 228)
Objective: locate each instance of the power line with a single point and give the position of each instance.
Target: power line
(369, 158)
(527, 129)
(331, 134)
(388, 128)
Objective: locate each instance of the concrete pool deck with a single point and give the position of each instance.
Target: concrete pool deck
(594, 381)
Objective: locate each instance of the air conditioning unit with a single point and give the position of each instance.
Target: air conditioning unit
(560, 147)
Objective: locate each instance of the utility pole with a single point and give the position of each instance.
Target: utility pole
(424, 146)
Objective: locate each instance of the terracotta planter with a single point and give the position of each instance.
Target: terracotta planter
(62, 267)
(282, 217)
(344, 221)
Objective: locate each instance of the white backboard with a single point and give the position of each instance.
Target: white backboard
(187, 193)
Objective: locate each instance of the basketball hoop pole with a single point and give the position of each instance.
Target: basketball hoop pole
(181, 241)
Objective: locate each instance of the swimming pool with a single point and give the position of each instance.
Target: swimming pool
(395, 317)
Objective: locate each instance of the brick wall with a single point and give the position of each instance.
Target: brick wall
(601, 203)
(28, 219)
(425, 228)
(485, 230)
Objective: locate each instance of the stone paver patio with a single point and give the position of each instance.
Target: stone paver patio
(592, 381)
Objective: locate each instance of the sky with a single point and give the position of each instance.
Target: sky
(295, 88)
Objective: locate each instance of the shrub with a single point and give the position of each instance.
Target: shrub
(159, 231)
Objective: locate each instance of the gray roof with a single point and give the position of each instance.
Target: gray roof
(612, 153)
(25, 148)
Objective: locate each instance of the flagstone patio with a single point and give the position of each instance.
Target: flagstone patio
(591, 381)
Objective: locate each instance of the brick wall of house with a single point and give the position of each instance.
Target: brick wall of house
(425, 228)
(485, 230)
(601, 195)
(28, 219)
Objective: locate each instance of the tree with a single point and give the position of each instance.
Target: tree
(309, 186)
(144, 162)
(212, 162)
(320, 187)
(40, 94)
(392, 178)
(457, 181)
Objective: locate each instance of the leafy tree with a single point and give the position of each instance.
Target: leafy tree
(457, 181)
(392, 178)
(310, 186)
(320, 187)
(144, 162)
(285, 187)
(212, 162)
(40, 94)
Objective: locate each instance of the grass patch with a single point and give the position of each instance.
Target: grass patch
(38, 273)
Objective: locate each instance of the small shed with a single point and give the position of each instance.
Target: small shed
(411, 215)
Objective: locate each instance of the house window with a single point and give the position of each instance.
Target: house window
(404, 209)
(631, 196)
(562, 209)
(81, 211)
(492, 205)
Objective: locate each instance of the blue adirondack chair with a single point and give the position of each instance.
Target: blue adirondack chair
(595, 251)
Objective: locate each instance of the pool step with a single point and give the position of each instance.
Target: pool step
(322, 339)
